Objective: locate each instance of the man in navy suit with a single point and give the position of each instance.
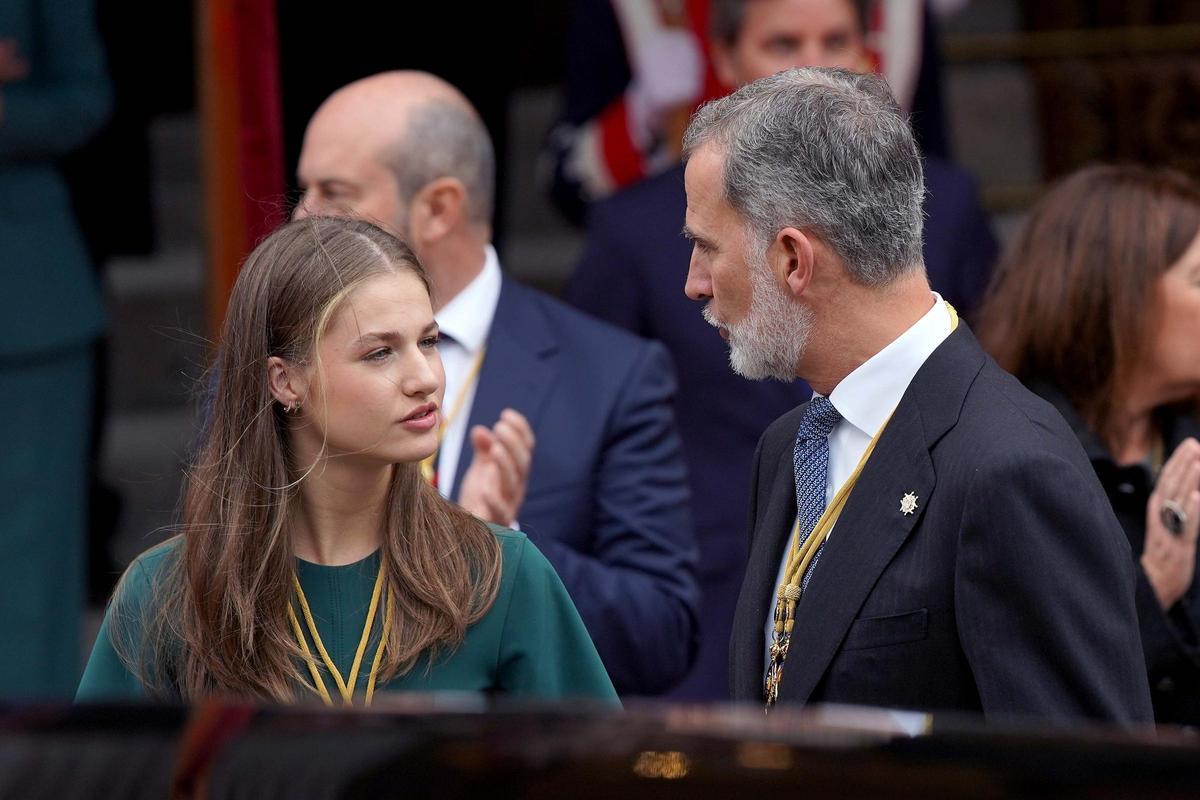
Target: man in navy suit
(925, 532)
(635, 260)
(553, 422)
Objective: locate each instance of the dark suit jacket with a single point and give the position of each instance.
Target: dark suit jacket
(632, 274)
(607, 500)
(1009, 591)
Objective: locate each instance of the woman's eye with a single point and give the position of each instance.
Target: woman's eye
(431, 341)
(378, 355)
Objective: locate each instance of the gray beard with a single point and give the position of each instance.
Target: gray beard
(769, 341)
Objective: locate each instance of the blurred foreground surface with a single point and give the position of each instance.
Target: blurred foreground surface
(448, 747)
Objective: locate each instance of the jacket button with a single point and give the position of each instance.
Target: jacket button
(1166, 685)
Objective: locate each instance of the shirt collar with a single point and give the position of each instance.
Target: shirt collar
(467, 318)
(867, 396)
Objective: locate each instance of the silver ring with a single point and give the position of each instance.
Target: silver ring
(1173, 517)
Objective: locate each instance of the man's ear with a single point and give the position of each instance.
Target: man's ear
(287, 381)
(791, 258)
(436, 209)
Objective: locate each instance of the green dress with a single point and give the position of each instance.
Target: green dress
(531, 643)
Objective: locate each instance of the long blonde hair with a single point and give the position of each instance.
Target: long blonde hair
(218, 623)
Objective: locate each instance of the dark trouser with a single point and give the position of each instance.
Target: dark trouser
(45, 419)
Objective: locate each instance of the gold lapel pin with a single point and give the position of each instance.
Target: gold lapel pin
(908, 504)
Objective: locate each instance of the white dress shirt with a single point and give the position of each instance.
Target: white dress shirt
(466, 319)
(866, 399)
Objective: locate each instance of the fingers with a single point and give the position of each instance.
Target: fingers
(495, 483)
(518, 421)
(510, 474)
(1189, 499)
(517, 438)
(496, 480)
(1192, 447)
(505, 450)
(1168, 559)
(1170, 479)
(1192, 509)
(482, 439)
(1179, 477)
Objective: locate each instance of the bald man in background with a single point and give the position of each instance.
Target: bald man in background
(552, 420)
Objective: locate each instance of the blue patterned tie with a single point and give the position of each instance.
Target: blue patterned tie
(810, 460)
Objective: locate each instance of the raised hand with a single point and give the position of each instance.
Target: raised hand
(494, 485)
(1169, 558)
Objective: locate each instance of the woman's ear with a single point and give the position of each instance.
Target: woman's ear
(791, 258)
(287, 382)
(437, 209)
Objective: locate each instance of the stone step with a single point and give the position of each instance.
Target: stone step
(144, 456)
(177, 187)
(158, 342)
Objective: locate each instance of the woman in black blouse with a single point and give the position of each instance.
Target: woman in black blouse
(1096, 306)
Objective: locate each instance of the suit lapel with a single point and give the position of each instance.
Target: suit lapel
(517, 368)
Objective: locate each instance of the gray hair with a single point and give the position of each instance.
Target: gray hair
(446, 140)
(826, 151)
(726, 18)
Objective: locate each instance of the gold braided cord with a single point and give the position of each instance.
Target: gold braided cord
(312, 629)
(308, 659)
(345, 689)
(366, 634)
(383, 637)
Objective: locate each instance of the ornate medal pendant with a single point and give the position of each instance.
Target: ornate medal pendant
(785, 610)
(779, 648)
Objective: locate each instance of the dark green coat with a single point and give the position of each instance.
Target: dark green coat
(51, 298)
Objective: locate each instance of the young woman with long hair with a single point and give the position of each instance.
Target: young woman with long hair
(312, 559)
(1096, 307)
